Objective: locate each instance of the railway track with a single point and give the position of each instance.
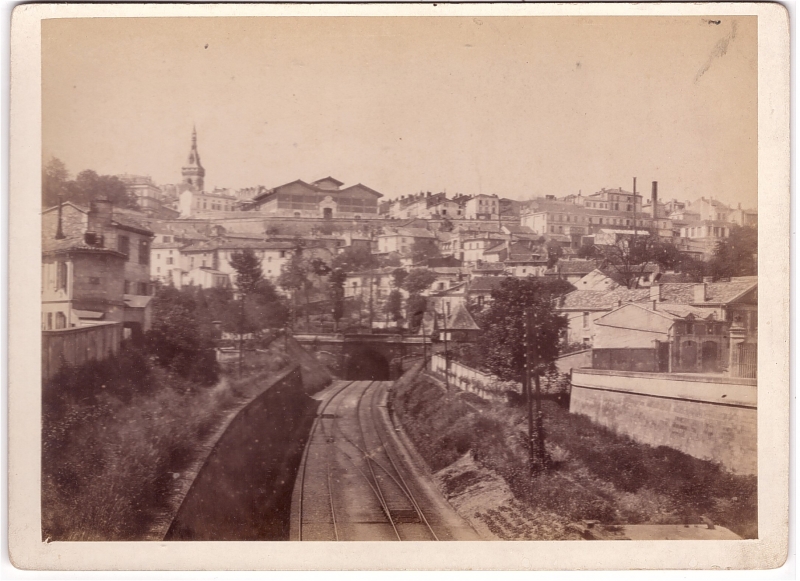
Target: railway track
(352, 485)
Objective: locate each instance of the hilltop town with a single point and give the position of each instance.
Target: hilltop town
(181, 234)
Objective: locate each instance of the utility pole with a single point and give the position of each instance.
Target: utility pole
(526, 385)
(536, 451)
(446, 355)
(241, 334)
(371, 308)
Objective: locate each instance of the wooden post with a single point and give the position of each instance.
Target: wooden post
(526, 384)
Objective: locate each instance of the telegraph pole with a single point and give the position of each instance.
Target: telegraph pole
(446, 358)
(241, 334)
(526, 383)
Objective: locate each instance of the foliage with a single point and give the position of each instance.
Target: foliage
(419, 280)
(423, 249)
(355, 259)
(177, 340)
(416, 305)
(736, 255)
(86, 187)
(630, 258)
(394, 305)
(336, 282)
(446, 225)
(248, 270)
(503, 323)
(554, 252)
(598, 474)
(587, 251)
(116, 434)
(398, 277)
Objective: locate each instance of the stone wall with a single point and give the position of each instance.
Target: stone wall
(78, 345)
(709, 417)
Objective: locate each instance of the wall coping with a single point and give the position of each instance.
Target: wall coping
(75, 330)
(693, 377)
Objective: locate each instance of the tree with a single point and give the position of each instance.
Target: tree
(398, 277)
(554, 252)
(502, 340)
(355, 259)
(176, 339)
(424, 248)
(248, 270)
(588, 251)
(419, 280)
(737, 254)
(446, 225)
(336, 282)
(630, 258)
(416, 306)
(294, 278)
(54, 179)
(394, 305)
(89, 186)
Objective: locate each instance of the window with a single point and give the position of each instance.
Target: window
(126, 288)
(170, 260)
(61, 320)
(142, 290)
(158, 269)
(144, 252)
(124, 245)
(61, 275)
(585, 320)
(689, 328)
(441, 286)
(49, 320)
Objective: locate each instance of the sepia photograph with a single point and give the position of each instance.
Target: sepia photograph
(419, 278)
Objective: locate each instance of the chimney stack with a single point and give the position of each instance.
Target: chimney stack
(101, 212)
(60, 230)
(700, 293)
(654, 200)
(655, 292)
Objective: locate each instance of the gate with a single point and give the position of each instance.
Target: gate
(747, 360)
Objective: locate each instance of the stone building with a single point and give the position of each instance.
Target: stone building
(95, 270)
(323, 198)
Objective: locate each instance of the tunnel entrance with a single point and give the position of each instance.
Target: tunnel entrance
(365, 364)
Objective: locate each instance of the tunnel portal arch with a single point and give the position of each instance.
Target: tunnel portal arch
(364, 363)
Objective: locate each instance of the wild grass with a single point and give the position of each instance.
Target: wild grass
(117, 436)
(595, 474)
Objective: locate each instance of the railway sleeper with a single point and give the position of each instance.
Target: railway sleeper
(404, 516)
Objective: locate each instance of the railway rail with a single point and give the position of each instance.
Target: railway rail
(353, 484)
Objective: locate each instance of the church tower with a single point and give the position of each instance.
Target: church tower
(193, 172)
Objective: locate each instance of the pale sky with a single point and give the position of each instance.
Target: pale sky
(518, 107)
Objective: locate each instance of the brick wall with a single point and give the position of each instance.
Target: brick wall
(706, 417)
(73, 223)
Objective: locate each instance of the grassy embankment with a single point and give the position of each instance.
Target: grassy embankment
(119, 435)
(597, 474)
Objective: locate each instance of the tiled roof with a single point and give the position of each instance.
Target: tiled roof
(136, 301)
(716, 292)
(72, 244)
(461, 320)
(165, 245)
(130, 223)
(603, 299)
(489, 267)
(486, 283)
(576, 266)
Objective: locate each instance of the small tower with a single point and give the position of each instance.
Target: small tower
(193, 172)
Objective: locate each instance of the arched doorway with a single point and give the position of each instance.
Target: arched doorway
(710, 357)
(688, 356)
(366, 364)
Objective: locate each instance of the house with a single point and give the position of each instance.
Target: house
(402, 240)
(583, 307)
(661, 337)
(520, 258)
(475, 245)
(207, 277)
(572, 270)
(596, 280)
(456, 324)
(482, 207)
(481, 287)
(98, 275)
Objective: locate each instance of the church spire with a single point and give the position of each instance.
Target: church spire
(193, 172)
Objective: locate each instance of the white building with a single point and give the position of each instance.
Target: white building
(482, 207)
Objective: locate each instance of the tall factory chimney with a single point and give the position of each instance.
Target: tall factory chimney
(654, 200)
